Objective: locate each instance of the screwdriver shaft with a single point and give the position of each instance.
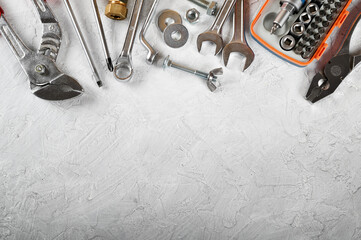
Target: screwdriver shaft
(102, 36)
(83, 43)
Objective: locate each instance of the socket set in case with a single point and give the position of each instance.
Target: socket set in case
(297, 30)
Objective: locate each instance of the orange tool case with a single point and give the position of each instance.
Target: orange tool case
(262, 24)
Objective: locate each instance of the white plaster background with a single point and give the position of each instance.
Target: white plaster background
(163, 158)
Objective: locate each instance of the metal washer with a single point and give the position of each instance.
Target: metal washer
(171, 41)
(168, 14)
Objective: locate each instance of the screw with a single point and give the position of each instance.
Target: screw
(210, 6)
(40, 68)
(210, 77)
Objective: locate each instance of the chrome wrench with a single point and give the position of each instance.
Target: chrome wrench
(239, 43)
(123, 70)
(214, 33)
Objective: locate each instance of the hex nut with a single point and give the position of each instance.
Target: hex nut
(192, 15)
(212, 8)
(116, 10)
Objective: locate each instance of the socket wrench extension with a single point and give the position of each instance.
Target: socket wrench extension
(288, 7)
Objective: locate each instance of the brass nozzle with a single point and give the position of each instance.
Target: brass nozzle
(116, 9)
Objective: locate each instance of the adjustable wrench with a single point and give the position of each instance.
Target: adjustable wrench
(214, 33)
(239, 43)
(46, 80)
(123, 70)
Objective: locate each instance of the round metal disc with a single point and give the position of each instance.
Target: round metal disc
(168, 17)
(176, 35)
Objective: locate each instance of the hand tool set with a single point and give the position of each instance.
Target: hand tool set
(294, 30)
(299, 30)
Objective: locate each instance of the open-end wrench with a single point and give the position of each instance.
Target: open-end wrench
(214, 33)
(239, 43)
(123, 70)
(152, 53)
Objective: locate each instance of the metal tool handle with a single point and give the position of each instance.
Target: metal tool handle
(51, 39)
(239, 17)
(222, 15)
(152, 53)
(15, 43)
(132, 29)
(102, 35)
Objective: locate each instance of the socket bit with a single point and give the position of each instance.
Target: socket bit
(312, 9)
(305, 18)
(298, 50)
(298, 29)
(287, 43)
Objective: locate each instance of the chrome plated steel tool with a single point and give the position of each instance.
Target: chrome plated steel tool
(123, 70)
(46, 80)
(288, 7)
(337, 69)
(214, 33)
(239, 43)
(108, 58)
(83, 42)
(152, 53)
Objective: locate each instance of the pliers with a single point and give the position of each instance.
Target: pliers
(337, 69)
(46, 80)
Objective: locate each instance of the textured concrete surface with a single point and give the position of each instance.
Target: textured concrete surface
(163, 158)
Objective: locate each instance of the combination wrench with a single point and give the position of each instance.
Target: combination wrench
(123, 70)
(214, 33)
(239, 43)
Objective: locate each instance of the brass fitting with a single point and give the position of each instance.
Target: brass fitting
(116, 9)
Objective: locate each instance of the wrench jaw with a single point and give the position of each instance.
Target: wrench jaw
(62, 88)
(123, 70)
(210, 37)
(240, 48)
(47, 81)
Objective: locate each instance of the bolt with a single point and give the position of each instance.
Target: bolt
(210, 77)
(41, 69)
(210, 6)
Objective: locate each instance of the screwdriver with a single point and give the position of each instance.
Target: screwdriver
(288, 7)
(83, 43)
(102, 36)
